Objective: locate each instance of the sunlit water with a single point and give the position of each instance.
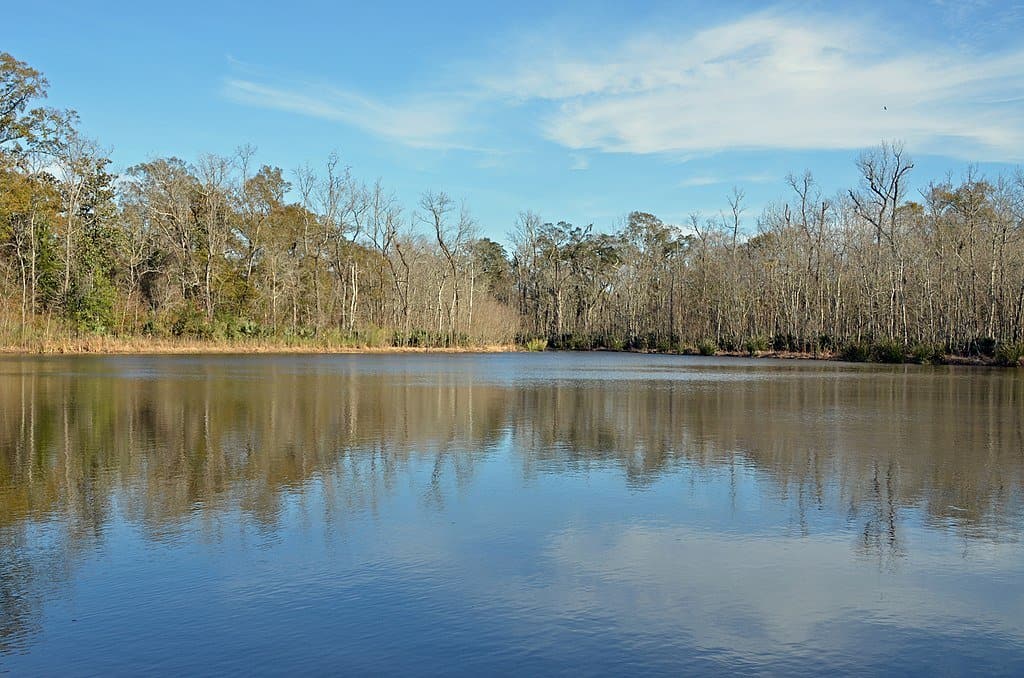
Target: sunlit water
(463, 514)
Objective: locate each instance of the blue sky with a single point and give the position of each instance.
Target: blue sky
(580, 112)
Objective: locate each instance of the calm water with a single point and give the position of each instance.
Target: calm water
(544, 513)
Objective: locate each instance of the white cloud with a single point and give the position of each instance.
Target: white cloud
(767, 81)
(420, 123)
(775, 82)
(734, 580)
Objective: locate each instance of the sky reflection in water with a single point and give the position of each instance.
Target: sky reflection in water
(590, 513)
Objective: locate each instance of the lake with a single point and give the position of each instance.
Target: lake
(552, 513)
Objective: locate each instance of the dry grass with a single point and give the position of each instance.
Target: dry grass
(141, 345)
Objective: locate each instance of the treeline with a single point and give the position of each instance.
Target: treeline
(224, 248)
(216, 249)
(868, 273)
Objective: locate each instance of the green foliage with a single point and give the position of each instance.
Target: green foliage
(984, 347)
(20, 84)
(91, 305)
(707, 347)
(730, 344)
(93, 295)
(1010, 354)
(757, 345)
(233, 328)
(538, 344)
(374, 337)
(585, 342)
(927, 354)
(881, 351)
(492, 263)
(158, 248)
(48, 269)
(300, 332)
(827, 343)
(574, 342)
(420, 338)
(856, 352)
(642, 342)
(189, 321)
(887, 351)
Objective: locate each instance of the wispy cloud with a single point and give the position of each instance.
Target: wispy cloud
(708, 180)
(700, 181)
(773, 81)
(421, 122)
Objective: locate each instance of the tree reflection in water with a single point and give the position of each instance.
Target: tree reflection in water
(160, 442)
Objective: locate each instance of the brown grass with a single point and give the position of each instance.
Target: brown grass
(142, 345)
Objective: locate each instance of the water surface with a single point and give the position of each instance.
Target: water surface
(521, 513)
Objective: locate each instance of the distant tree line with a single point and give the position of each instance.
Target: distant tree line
(224, 248)
(216, 249)
(866, 273)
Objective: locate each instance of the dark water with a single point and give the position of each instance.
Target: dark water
(555, 513)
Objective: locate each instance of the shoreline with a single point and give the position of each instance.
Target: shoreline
(111, 346)
(134, 346)
(946, 360)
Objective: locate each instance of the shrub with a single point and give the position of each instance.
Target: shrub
(417, 338)
(982, 346)
(90, 305)
(239, 328)
(926, 354)
(785, 342)
(189, 321)
(707, 347)
(729, 344)
(152, 328)
(887, 351)
(616, 344)
(582, 342)
(569, 342)
(300, 332)
(1011, 355)
(882, 351)
(642, 342)
(856, 352)
(375, 337)
(684, 348)
(757, 344)
(536, 344)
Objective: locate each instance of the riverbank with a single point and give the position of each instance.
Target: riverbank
(970, 361)
(99, 345)
(826, 356)
(96, 345)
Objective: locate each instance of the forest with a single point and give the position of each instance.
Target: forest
(225, 249)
